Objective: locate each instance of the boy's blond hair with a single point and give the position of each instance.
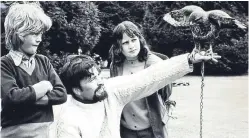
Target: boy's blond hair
(24, 19)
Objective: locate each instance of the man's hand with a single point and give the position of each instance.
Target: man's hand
(41, 88)
(196, 56)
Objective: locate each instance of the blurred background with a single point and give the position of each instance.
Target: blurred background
(86, 27)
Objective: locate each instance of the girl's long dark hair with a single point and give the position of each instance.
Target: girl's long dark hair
(131, 30)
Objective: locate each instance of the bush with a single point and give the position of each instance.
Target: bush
(75, 24)
(57, 60)
(78, 24)
(173, 41)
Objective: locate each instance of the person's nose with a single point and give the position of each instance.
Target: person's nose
(39, 38)
(100, 81)
(131, 45)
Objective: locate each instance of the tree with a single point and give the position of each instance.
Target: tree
(75, 24)
(173, 41)
(79, 23)
(111, 14)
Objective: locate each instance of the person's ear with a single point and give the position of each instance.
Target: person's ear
(76, 91)
(17, 40)
(20, 36)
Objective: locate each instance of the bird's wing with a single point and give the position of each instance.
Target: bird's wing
(218, 14)
(220, 18)
(180, 18)
(175, 18)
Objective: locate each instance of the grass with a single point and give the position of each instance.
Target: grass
(225, 111)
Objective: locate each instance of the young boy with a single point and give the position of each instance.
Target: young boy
(29, 84)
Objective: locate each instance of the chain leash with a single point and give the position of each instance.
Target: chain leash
(201, 97)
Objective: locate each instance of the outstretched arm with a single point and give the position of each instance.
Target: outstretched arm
(133, 87)
(136, 86)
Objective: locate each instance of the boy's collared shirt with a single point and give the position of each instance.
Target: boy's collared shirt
(21, 60)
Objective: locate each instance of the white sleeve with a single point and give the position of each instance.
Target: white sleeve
(144, 83)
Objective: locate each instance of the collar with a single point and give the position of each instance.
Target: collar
(92, 106)
(132, 61)
(18, 57)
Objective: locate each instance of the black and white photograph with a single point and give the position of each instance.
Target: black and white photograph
(124, 69)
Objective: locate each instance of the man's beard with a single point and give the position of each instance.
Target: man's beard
(100, 94)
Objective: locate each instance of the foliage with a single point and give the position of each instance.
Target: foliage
(172, 41)
(75, 24)
(111, 14)
(168, 39)
(79, 24)
(57, 60)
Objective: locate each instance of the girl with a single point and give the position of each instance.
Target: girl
(146, 117)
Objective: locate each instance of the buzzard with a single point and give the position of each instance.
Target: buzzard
(204, 25)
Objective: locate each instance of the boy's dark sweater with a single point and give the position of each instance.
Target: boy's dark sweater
(18, 96)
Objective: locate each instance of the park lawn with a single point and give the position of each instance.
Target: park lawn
(225, 112)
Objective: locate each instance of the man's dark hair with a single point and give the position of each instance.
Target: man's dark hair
(75, 69)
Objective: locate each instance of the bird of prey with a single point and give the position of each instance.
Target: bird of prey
(204, 25)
